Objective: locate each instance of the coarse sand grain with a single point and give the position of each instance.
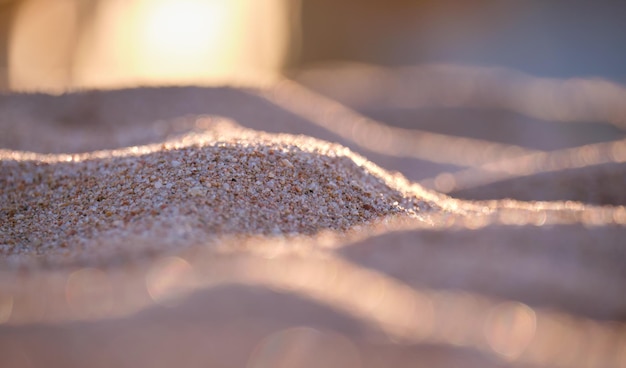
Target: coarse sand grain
(195, 189)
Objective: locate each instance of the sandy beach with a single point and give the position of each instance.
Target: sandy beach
(195, 226)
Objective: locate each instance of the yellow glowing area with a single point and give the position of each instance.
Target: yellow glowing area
(40, 44)
(62, 44)
(183, 25)
(185, 38)
(196, 42)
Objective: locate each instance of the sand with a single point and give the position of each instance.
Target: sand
(199, 235)
(195, 189)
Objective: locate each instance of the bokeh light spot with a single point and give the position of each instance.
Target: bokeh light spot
(167, 280)
(509, 328)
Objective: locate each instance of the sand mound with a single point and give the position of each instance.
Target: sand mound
(223, 180)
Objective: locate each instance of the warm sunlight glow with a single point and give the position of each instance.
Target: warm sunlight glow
(183, 25)
(65, 44)
(186, 38)
(40, 44)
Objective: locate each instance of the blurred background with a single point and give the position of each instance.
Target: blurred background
(60, 44)
(56, 45)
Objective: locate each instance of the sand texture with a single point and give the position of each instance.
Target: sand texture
(221, 227)
(218, 181)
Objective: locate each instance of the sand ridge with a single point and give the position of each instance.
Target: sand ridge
(219, 180)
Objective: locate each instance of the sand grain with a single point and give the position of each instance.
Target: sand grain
(191, 190)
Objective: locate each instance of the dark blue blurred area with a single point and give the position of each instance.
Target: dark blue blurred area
(557, 38)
